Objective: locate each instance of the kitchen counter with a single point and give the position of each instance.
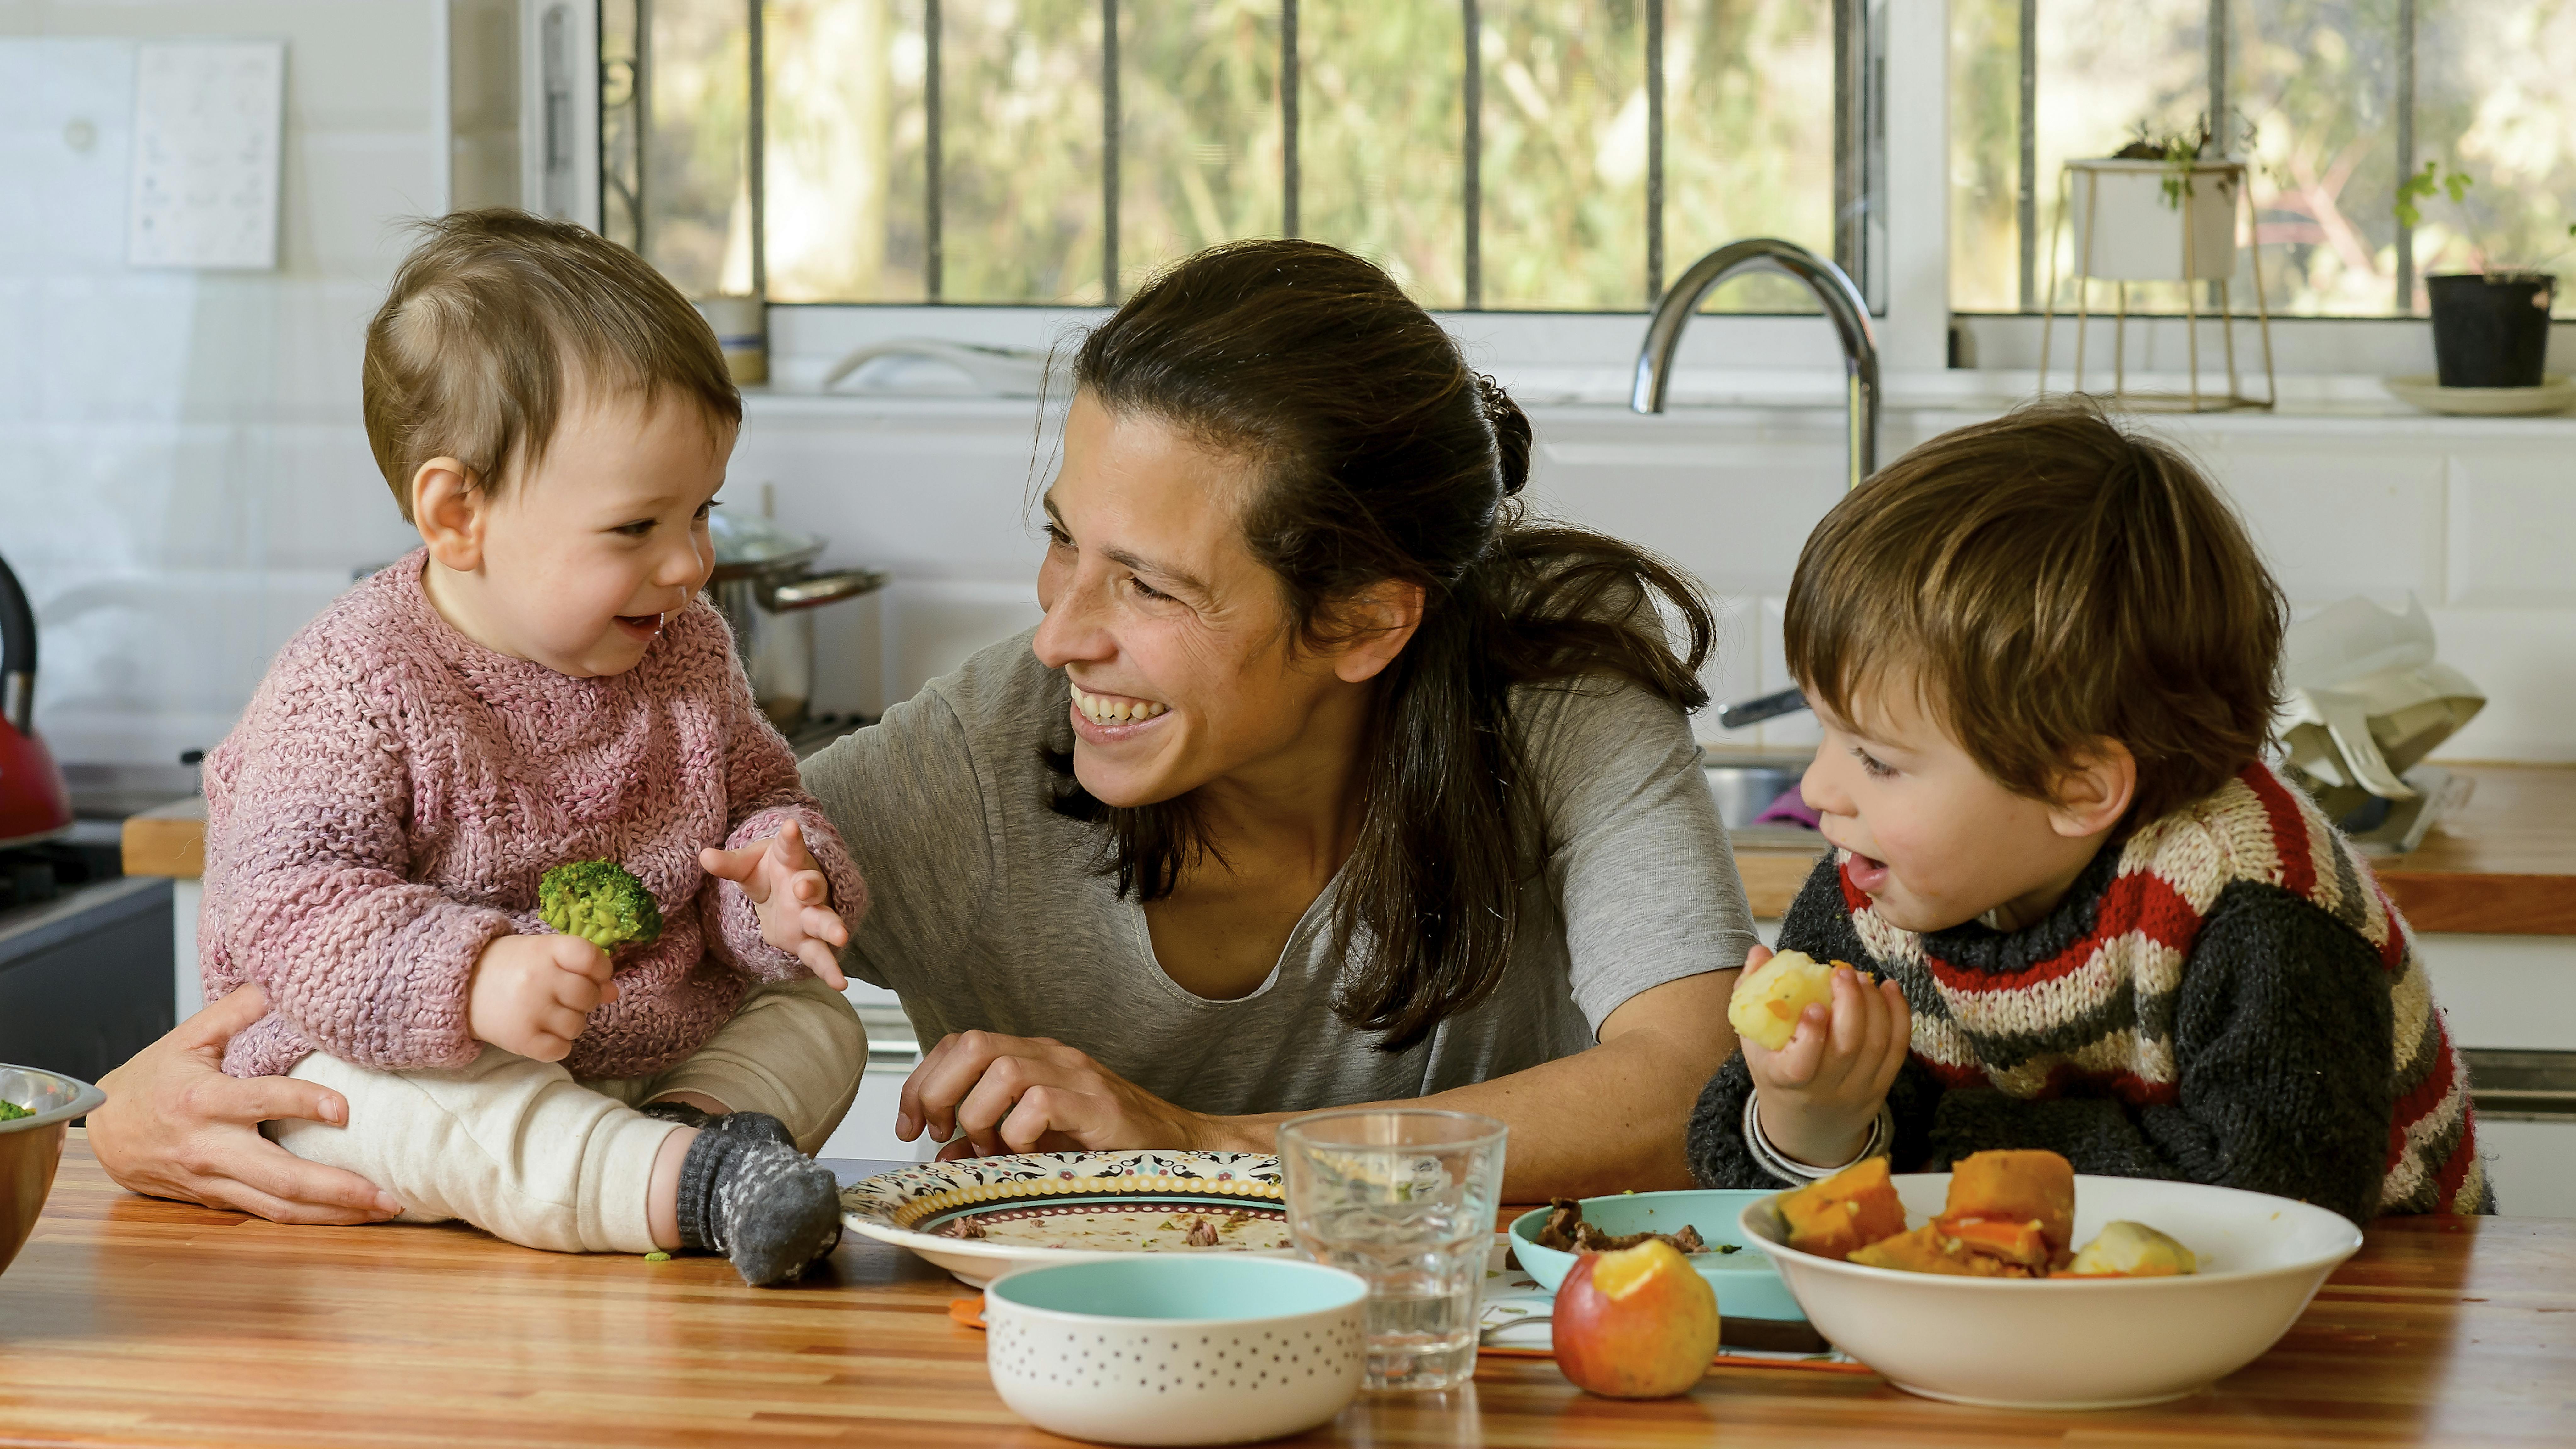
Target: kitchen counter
(133, 1321)
(2503, 863)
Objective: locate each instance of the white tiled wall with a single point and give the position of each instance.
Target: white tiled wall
(2476, 517)
(185, 480)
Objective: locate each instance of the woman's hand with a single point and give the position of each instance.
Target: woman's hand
(1820, 1092)
(792, 897)
(982, 1093)
(175, 1126)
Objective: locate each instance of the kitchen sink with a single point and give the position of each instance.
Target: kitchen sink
(1744, 785)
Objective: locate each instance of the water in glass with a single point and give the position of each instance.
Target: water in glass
(1406, 1200)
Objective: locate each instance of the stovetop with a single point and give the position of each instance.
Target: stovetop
(34, 874)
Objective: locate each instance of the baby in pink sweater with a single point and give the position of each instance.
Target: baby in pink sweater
(541, 684)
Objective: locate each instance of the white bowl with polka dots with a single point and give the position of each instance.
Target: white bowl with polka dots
(1204, 1349)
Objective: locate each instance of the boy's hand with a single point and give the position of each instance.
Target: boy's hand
(1820, 1093)
(791, 896)
(534, 994)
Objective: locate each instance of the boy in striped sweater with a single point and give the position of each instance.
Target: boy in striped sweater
(2044, 655)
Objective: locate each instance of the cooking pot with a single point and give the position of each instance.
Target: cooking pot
(765, 585)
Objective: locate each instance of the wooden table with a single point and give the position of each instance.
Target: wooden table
(130, 1321)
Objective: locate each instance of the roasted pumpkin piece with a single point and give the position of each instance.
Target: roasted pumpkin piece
(2131, 1250)
(2022, 1243)
(1854, 1207)
(1927, 1249)
(2016, 1186)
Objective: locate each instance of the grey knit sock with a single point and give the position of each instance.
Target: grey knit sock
(758, 1126)
(769, 1209)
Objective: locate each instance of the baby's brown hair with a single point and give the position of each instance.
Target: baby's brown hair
(2042, 581)
(493, 320)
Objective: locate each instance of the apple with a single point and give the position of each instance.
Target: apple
(1640, 1323)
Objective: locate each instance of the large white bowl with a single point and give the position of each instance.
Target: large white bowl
(1216, 1348)
(2077, 1343)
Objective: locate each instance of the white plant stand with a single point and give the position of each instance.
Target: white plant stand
(2129, 227)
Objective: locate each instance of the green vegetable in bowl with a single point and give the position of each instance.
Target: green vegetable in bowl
(11, 1111)
(600, 901)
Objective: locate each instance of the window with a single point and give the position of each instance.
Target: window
(1539, 155)
(2341, 98)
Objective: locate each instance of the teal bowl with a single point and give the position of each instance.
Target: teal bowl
(1747, 1284)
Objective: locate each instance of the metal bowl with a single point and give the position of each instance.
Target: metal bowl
(31, 1146)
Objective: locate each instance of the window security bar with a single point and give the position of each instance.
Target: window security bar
(1859, 140)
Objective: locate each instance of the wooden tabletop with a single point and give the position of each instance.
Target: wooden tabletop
(130, 1321)
(2505, 861)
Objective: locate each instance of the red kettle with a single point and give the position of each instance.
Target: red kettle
(34, 802)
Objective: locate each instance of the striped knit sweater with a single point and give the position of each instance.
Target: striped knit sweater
(2225, 997)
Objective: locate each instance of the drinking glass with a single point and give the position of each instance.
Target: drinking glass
(1406, 1199)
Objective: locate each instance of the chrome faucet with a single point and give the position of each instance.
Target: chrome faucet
(1850, 315)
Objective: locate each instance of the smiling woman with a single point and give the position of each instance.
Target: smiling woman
(1329, 778)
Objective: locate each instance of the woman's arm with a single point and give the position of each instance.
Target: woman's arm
(1604, 1120)
(175, 1126)
(1600, 1121)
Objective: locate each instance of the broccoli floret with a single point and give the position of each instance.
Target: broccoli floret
(601, 902)
(11, 1111)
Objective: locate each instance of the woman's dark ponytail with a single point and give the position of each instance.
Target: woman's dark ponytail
(1382, 456)
(1511, 434)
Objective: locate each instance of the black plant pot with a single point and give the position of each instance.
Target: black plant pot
(2491, 329)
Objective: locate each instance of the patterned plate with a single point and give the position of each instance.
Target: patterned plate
(981, 1217)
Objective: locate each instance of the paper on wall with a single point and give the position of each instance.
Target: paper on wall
(208, 118)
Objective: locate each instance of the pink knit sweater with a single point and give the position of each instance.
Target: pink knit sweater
(395, 790)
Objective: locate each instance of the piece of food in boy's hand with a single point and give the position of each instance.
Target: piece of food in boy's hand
(1854, 1207)
(1928, 1249)
(600, 901)
(11, 1111)
(1772, 996)
(2015, 1187)
(2131, 1250)
(1640, 1323)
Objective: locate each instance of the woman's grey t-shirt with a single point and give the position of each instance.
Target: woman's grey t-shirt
(989, 912)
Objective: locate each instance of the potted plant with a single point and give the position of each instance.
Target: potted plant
(2161, 208)
(2490, 326)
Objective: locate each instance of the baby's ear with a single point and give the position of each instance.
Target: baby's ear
(448, 507)
(2093, 789)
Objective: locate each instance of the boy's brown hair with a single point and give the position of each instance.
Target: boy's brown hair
(492, 322)
(2042, 581)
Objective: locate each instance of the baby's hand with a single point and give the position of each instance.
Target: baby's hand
(1820, 1092)
(534, 994)
(791, 896)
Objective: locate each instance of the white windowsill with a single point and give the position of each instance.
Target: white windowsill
(2326, 369)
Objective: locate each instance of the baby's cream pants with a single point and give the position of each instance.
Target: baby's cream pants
(522, 1150)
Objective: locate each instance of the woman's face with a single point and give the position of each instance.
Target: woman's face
(1177, 641)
